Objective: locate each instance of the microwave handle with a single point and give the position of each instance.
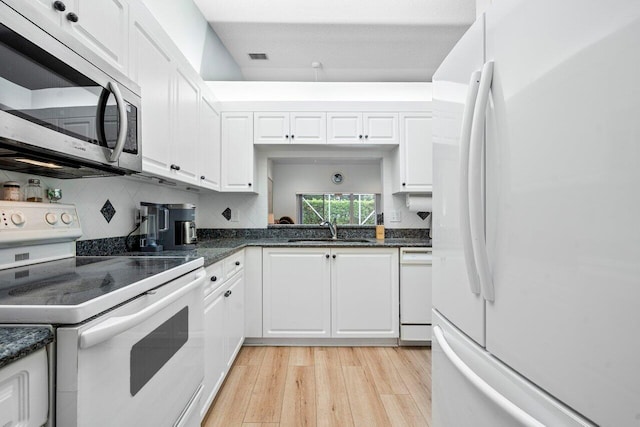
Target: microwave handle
(115, 325)
(122, 116)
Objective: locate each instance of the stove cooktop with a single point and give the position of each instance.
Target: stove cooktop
(73, 285)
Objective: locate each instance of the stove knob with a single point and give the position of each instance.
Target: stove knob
(51, 218)
(66, 218)
(18, 218)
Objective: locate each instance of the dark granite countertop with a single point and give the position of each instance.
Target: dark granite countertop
(19, 341)
(214, 250)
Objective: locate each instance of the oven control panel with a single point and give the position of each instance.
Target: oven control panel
(48, 220)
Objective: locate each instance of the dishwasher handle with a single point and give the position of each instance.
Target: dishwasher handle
(115, 325)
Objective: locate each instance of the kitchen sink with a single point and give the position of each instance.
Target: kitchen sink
(329, 240)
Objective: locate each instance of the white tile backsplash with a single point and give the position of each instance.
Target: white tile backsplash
(125, 194)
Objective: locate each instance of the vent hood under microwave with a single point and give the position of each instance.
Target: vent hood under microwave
(60, 115)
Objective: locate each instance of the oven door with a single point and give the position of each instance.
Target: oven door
(55, 101)
(139, 364)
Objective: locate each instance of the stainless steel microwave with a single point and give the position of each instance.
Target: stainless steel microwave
(60, 115)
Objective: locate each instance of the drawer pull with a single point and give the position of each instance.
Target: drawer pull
(226, 294)
(214, 278)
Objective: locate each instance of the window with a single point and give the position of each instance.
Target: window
(341, 208)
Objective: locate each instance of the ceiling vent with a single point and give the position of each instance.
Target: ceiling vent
(258, 56)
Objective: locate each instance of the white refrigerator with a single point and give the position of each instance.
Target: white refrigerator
(536, 222)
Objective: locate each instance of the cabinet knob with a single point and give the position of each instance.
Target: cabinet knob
(334, 256)
(226, 294)
(175, 167)
(214, 278)
(249, 184)
(404, 184)
(59, 6)
(237, 262)
(360, 136)
(327, 256)
(292, 136)
(202, 177)
(72, 17)
(366, 137)
(286, 136)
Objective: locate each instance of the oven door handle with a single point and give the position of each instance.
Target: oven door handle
(116, 325)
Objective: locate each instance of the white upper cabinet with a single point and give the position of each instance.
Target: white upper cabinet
(100, 25)
(271, 128)
(289, 128)
(153, 70)
(104, 26)
(380, 128)
(415, 154)
(344, 128)
(209, 141)
(308, 128)
(237, 168)
(367, 128)
(183, 149)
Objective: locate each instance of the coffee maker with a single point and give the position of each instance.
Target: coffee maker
(181, 234)
(155, 222)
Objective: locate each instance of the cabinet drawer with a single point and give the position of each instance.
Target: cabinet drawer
(233, 264)
(415, 332)
(215, 277)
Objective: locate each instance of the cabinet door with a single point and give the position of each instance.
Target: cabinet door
(43, 7)
(296, 292)
(104, 26)
(209, 141)
(184, 156)
(152, 69)
(308, 128)
(380, 128)
(271, 128)
(234, 317)
(237, 152)
(215, 363)
(416, 168)
(364, 293)
(344, 128)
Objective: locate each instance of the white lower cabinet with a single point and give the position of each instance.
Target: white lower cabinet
(364, 293)
(223, 325)
(296, 292)
(24, 391)
(323, 292)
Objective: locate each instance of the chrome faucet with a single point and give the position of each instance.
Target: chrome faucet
(333, 228)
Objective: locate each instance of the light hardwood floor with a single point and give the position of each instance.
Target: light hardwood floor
(325, 386)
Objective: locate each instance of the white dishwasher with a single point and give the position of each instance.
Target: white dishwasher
(415, 294)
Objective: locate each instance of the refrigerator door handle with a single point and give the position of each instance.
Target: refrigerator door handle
(465, 216)
(476, 205)
(491, 393)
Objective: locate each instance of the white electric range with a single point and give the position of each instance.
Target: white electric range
(128, 330)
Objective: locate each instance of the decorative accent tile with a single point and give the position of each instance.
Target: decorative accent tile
(227, 214)
(108, 211)
(424, 215)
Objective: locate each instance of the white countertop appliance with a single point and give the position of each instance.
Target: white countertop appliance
(128, 346)
(536, 243)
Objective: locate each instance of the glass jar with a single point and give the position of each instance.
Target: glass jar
(34, 191)
(11, 191)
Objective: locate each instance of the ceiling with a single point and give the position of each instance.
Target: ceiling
(354, 40)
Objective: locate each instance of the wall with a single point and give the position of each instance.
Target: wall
(193, 35)
(253, 208)
(90, 194)
(309, 176)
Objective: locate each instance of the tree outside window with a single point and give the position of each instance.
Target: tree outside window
(341, 208)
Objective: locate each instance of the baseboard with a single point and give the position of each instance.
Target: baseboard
(322, 342)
